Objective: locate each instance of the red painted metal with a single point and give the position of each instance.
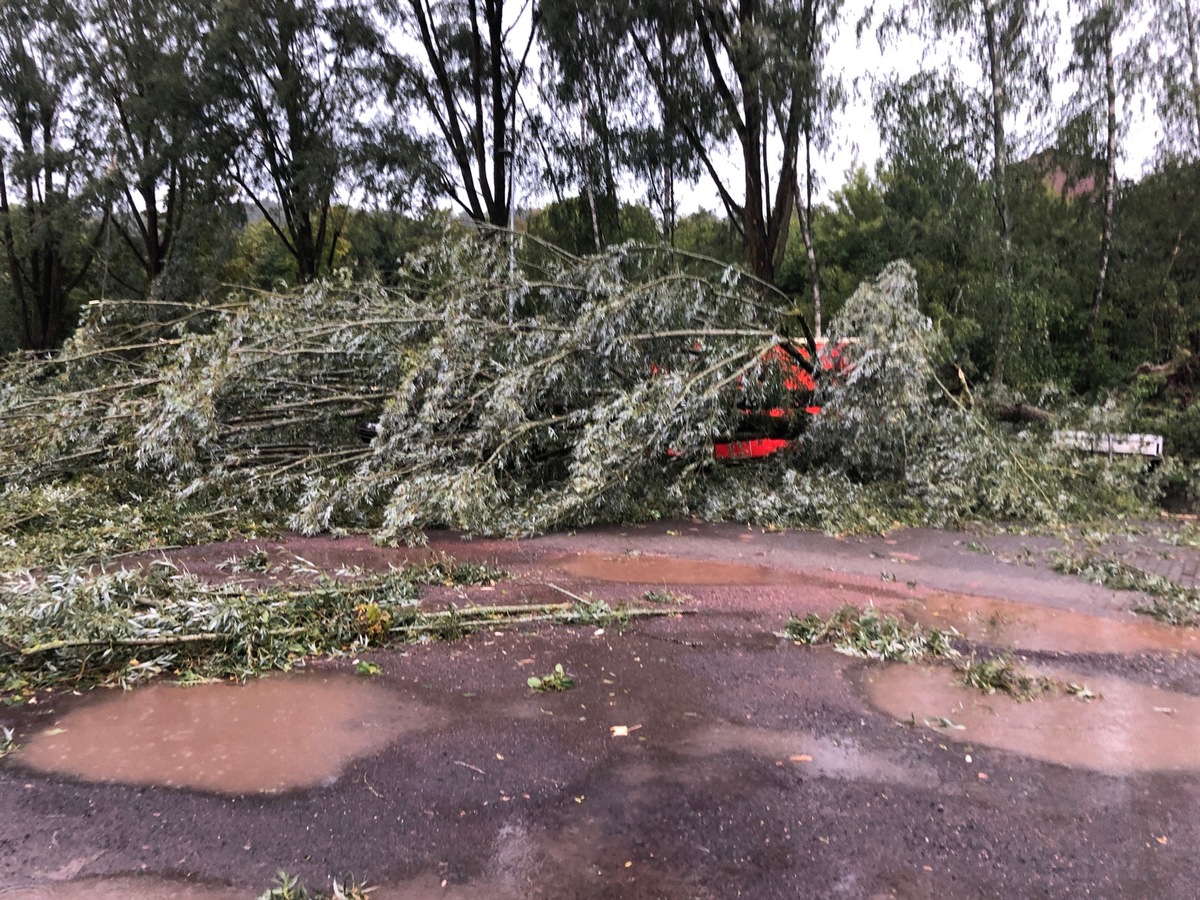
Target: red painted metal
(754, 448)
(796, 379)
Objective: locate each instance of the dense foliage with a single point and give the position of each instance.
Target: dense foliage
(165, 151)
(507, 399)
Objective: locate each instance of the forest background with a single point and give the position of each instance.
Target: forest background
(175, 149)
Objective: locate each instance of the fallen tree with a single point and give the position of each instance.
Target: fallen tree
(508, 399)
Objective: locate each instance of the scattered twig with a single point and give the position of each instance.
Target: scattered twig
(567, 593)
(164, 641)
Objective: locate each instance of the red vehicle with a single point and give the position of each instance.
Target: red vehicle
(766, 431)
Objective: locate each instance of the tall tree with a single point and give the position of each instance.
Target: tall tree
(585, 94)
(755, 75)
(462, 64)
(144, 63)
(1175, 65)
(600, 119)
(1011, 42)
(938, 207)
(46, 159)
(663, 161)
(1104, 82)
(1155, 284)
(293, 77)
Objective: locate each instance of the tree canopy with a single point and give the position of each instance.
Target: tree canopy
(180, 150)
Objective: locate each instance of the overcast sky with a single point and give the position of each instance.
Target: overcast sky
(857, 138)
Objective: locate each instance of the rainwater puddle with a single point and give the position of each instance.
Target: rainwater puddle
(270, 734)
(1132, 728)
(653, 569)
(143, 887)
(1026, 627)
(129, 888)
(831, 757)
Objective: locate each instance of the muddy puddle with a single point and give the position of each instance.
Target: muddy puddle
(149, 888)
(271, 734)
(839, 757)
(1023, 626)
(1131, 728)
(124, 888)
(643, 568)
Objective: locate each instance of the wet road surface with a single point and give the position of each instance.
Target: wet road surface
(699, 756)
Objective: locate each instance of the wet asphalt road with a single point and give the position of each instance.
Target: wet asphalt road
(698, 756)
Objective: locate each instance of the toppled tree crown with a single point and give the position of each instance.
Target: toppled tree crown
(509, 399)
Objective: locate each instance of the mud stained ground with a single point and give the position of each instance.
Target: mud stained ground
(698, 756)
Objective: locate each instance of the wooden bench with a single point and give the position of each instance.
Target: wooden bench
(1112, 444)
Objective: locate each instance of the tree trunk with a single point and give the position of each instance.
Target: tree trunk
(814, 273)
(999, 103)
(1110, 185)
(759, 252)
(502, 153)
(14, 264)
(597, 238)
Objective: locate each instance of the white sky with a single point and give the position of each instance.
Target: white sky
(857, 139)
